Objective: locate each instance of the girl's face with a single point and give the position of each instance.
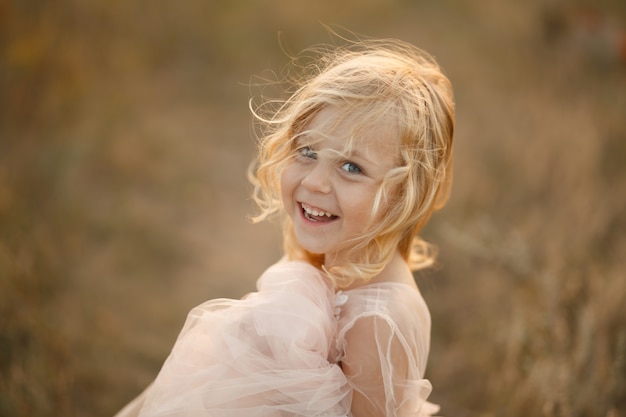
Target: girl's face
(329, 195)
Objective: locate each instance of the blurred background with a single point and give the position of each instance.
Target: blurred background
(124, 141)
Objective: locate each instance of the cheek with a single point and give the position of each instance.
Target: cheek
(287, 182)
(390, 199)
(358, 205)
(391, 205)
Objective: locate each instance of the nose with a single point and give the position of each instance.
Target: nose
(317, 179)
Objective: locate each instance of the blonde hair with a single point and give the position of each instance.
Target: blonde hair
(370, 81)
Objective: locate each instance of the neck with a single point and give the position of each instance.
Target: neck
(397, 270)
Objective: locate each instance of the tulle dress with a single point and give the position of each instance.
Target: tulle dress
(288, 350)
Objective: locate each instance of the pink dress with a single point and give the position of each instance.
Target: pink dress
(285, 351)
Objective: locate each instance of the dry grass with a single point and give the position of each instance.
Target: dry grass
(124, 139)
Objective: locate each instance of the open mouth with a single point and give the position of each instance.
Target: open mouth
(315, 214)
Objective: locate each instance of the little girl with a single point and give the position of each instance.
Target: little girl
(355, 161)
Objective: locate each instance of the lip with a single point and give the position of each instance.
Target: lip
(313, 222)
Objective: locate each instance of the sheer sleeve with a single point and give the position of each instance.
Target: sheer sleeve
(385, 350)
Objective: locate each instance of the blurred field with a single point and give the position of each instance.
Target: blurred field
(124, 140)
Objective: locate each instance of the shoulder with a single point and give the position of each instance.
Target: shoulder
(392, 296)
(391, 312)
(399, 306)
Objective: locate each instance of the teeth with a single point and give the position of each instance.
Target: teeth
(314, 212)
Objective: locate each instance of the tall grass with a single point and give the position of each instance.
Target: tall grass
(124, 140)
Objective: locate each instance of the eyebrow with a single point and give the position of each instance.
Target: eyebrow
(359, 155)
(301, 137)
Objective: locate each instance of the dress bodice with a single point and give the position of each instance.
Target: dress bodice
(285, 350)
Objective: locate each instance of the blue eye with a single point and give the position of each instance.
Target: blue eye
(351, 168)
(307, 152)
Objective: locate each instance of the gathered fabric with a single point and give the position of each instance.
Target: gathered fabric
(285, 350)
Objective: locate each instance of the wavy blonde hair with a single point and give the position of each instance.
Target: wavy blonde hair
(371, 81)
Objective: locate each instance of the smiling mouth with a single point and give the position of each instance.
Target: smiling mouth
(315, 214)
